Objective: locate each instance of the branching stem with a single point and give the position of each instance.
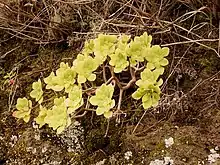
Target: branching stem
(109, 80)
(119, 84)
(133, 79)
(115, 78)
(122, 87)
(79, 116)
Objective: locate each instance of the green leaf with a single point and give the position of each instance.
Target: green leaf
(84, 66)
(149, 89)
(88, 47)
(101, 110)
(147, 104)
(146, 97)
(57, 118)
(75, 99)
(37, 92)
(159, 71)
(155, 99)
(103, 99)
(139, 93)
(64, 78)
(164, 62)
(92, 77)
(26, 118)
(23, 109)
(60, 129)
(40, 118)
(150, 66)
(112, 104)
(108, 114)
(94, 100)
(160, 82)
(155, 55)
(138, 47)
(104, 45)
(81, 79)
(119, 59)
(146, 39)
(165, 51)
(124, 38)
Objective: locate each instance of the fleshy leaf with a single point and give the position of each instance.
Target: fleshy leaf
(37, 92)
(138, 94)
(65, 77)
(92, 77)
(104, 45)
(149, 88)
(81, 79)
(108, 114)
(57, 118)
(23, 109)
(150, 66)
(101, 110)
(40, 118)
(85, 65)
(119, 59)
(137, 48)
(164, 62)
(156, 55)
(26, 118)
(147, 104)
(75, 99)
(103, 99)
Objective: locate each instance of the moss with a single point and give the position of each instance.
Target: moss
(95, 140)
(210, 63)
(158, 150)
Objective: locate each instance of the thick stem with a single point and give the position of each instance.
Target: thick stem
(106, 132)
(109, 80)
(120, 99)
(121, 87)
(140, 69)
(133, 79)
(119, 106)
(89, 91)
(104, 73)
(115, 78)
(85, 112)
(79, 116)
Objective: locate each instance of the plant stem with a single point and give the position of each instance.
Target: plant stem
(103, 73)
(79, 116)
(109, 80)
(122, 88)
(106, 132)
(119, 105)
(133, 79)
(115, 78)
(120, 99)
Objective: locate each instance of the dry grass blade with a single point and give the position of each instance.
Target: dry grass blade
(75, 2)
(200, 43)
(191, 41)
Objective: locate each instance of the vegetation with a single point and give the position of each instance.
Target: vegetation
(82, 82)
(125, 55)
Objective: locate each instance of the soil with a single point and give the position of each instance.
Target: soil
(188, 111)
